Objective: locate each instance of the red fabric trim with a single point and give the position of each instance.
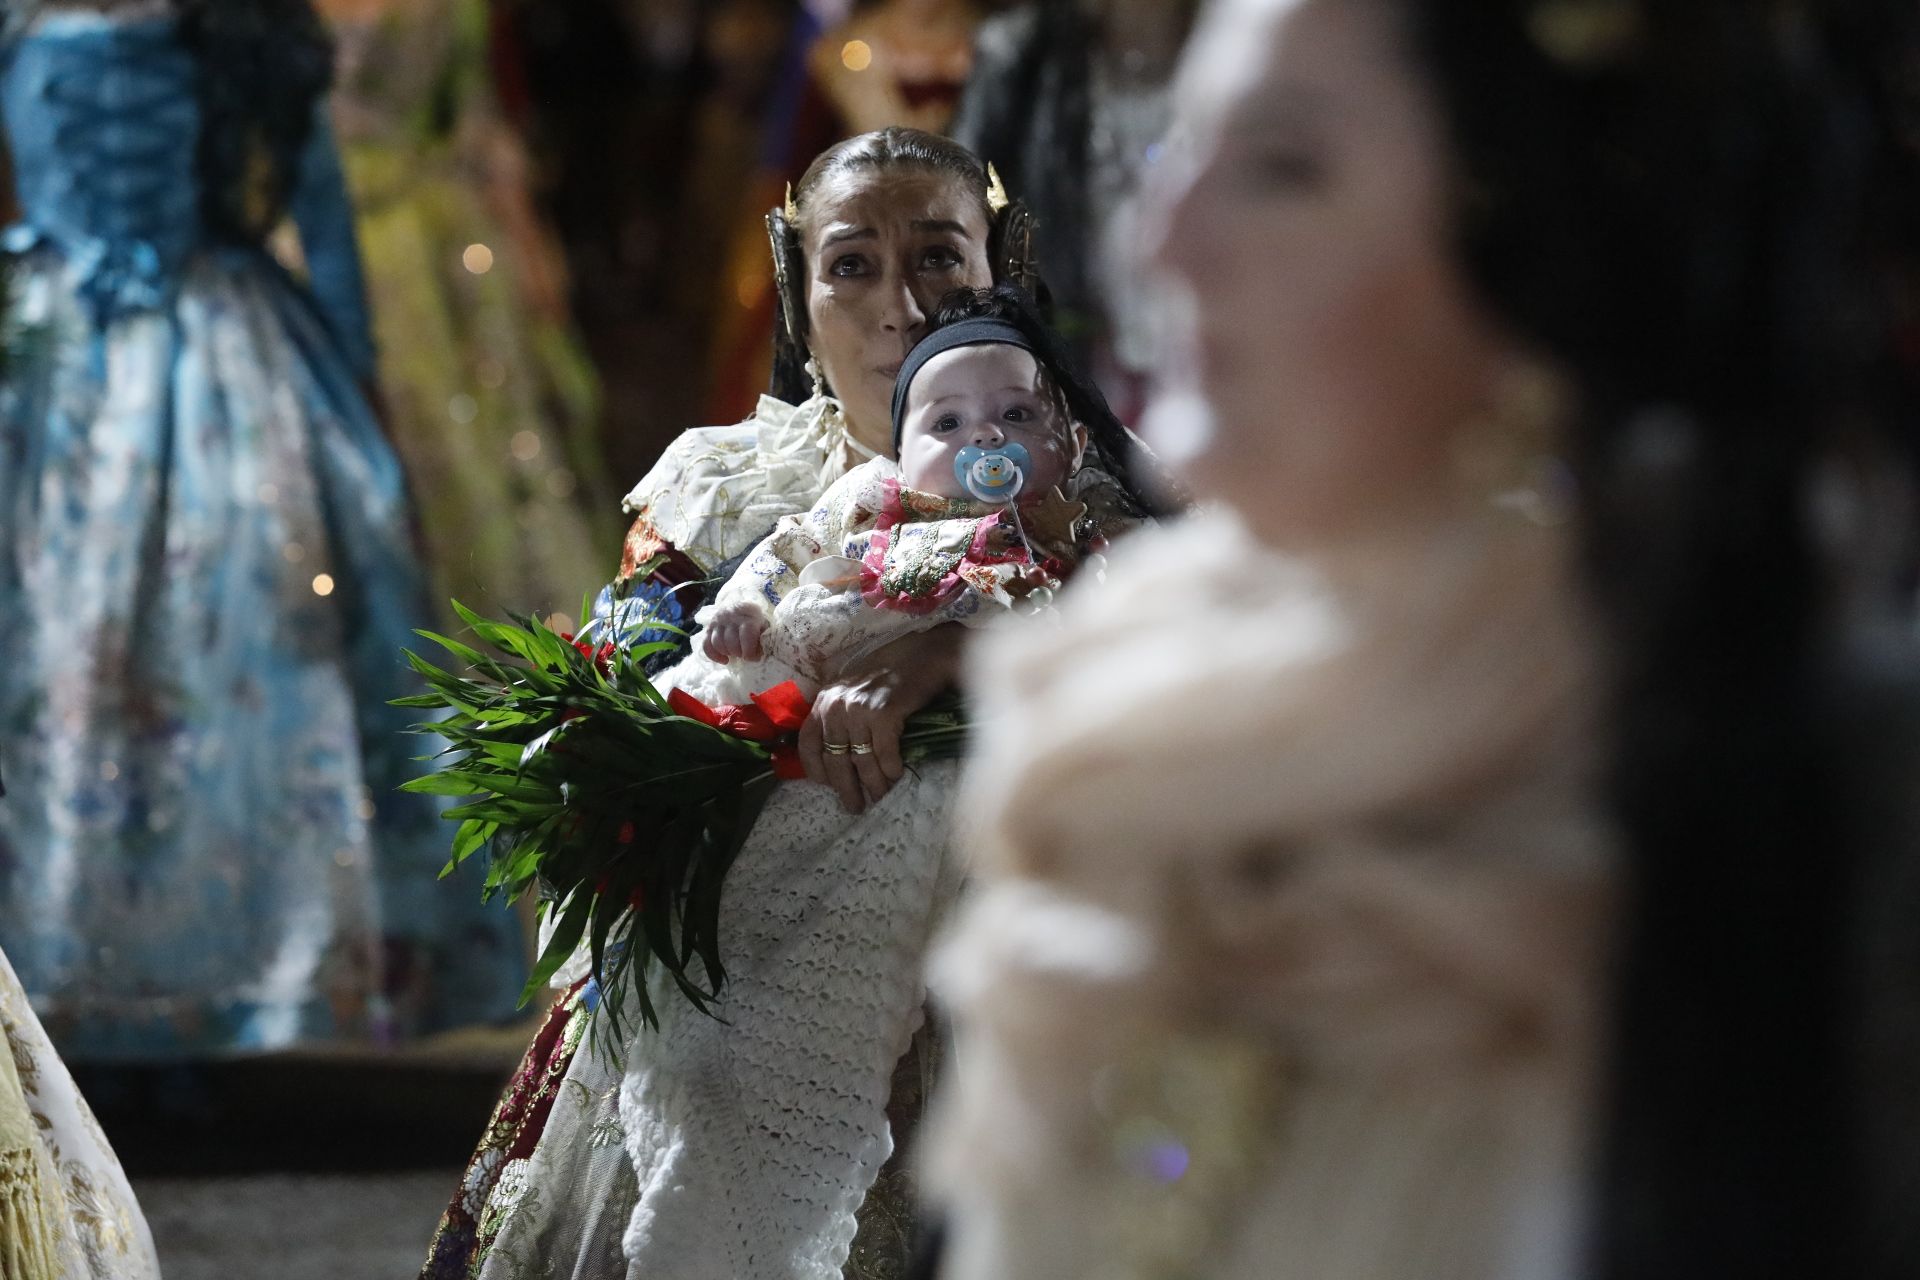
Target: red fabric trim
(874, 566)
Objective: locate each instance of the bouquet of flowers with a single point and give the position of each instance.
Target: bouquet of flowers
(621, 806)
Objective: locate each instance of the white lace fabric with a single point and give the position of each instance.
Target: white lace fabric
(717, 490)
(741, 1149)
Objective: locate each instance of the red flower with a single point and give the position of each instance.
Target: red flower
(601, 658)
(773, 717)
(637, 900)
(626, 833)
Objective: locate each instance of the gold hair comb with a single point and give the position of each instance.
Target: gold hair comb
(793, 210)
(996, 191)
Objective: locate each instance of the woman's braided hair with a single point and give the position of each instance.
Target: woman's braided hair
(265, 67)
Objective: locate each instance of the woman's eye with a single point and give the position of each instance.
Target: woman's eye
(942, 258)
(853, 264)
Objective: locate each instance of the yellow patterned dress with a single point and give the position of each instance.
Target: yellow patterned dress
(66, 1211)
(486, 391)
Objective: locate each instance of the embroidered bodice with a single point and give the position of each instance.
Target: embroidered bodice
(103, 117)
(104, 126)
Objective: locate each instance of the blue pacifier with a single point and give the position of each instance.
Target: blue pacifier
(993, 475)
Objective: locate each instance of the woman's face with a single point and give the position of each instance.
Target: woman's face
(882, 250)
(1334, 340)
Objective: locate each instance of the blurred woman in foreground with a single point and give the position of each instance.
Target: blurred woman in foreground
(1564, 353)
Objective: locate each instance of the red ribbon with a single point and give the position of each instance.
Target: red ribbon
(773, 717)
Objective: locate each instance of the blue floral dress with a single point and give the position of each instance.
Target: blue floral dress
(206, 582)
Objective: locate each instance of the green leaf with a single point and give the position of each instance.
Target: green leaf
(563, 943)
(508, 813)
(419, 701)
(510, 786)
(472, 835)
(533, 750)
(447, 782)
(519, 640)
(467, 654)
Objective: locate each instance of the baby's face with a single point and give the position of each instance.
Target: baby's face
(984, 397)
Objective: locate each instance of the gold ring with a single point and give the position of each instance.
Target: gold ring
(837, 748)
(862, 748)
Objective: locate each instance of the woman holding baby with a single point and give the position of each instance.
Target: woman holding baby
(752, 1147)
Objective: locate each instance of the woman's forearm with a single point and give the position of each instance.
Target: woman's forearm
(920, 667)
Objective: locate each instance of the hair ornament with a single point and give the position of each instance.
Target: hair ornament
(1585, 34)
(792, 209)
(997, 199)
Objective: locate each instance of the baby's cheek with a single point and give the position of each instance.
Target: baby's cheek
(1051, 462)
(935, 475)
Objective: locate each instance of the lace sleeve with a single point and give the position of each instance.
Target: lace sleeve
(774, 567)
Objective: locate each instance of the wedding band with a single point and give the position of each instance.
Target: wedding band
(862, 748)
(839, 748)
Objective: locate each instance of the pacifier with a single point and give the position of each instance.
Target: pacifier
(993, 475)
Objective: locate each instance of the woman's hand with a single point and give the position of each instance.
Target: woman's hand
(863, 712)
(735, 632)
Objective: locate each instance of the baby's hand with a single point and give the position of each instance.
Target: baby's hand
(734, 632)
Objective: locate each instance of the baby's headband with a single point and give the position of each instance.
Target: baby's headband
(977, 332)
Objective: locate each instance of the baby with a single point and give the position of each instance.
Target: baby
(988, 506)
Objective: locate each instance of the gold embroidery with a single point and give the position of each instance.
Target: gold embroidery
(105, 1225)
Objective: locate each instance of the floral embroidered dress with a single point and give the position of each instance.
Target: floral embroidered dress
(206, 584)
(66, 1211)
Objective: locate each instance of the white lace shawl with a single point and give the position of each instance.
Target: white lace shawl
(1285, 950)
